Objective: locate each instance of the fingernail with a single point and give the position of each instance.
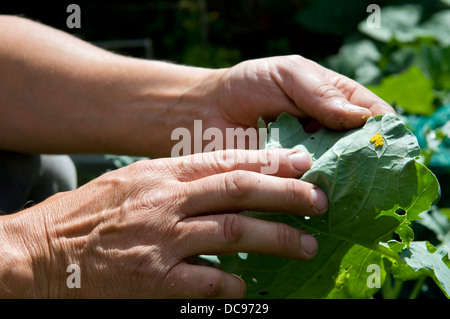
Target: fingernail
(300, 161)
(354, 108)
(309, 244)
(320, 200)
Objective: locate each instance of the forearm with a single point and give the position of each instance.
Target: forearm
(59, 94)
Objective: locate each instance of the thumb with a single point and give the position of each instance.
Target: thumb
(329, 106)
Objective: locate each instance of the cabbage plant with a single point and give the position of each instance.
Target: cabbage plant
(376, 188)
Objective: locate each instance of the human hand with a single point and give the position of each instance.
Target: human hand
(132, 231)
(293, 84)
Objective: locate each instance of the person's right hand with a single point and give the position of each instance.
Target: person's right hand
(133, 231)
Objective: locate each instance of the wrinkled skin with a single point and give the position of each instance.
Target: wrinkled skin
(133, 231)
(267, 87)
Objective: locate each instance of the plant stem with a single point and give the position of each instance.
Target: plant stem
(398, 284)
(387, 287)
(391, 291)
(417, 288)
(387, 252)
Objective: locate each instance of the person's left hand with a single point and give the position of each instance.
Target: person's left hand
(267, 87)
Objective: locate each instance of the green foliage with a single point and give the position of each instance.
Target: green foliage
(211, 56)
(329, 18)
(437, 220)
(357, 60)
(424, 256)
(410, 90)
(375, 194)
(409, 38)
(397, 23)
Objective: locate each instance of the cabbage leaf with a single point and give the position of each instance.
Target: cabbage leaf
(376, 189)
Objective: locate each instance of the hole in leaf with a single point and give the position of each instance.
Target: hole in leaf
(263, 293)
(242, 256)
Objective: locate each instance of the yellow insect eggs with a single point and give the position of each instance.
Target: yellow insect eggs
(378, 139)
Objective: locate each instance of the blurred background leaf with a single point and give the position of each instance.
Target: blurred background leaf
(410, 90)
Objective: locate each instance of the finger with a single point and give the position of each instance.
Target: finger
(199, 282)
(241, 190)
(359, 95)
(230, 233)
(329, 105)
(279, 162)
(335, 100)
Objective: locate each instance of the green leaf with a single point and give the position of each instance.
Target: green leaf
(401, 23)
(365, 184)
(438, 26)
(418, 256)
(445, 211)
(411, 90)
(400, 270)
(357, 60)
(438, 222)
(361, 274)
(435, 61)
(373, 192)
(396, 23)
(271, 277)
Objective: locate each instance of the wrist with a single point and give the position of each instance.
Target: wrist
(165, 96)
(23, 252)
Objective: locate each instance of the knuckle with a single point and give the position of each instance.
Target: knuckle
(298, 196)
(223, 160)
(162, 196)
(327, 91)
(291, 193)
(234, 185)
(285, 237)
(296, 58)
(232, 228)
